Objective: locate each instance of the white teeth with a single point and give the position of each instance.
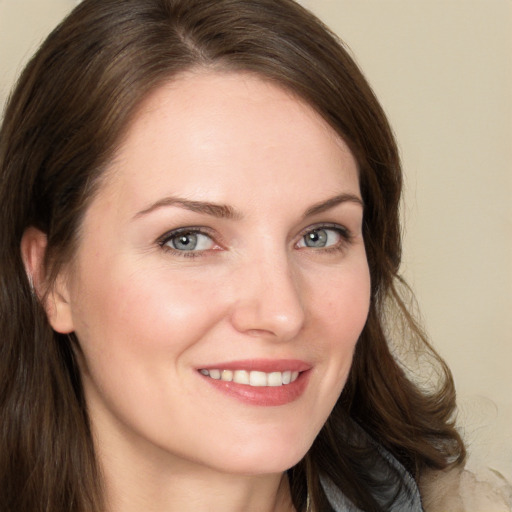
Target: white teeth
(214, 374)
(227, 375)
(254, 378)
(258, 379)
(275, 379)
(241, 377)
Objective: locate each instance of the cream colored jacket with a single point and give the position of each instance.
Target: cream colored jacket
(461, 490)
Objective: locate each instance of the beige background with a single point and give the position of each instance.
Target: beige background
(443, 71)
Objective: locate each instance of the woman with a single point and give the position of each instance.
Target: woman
(199, 272)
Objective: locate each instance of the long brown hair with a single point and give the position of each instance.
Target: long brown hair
(61, 126)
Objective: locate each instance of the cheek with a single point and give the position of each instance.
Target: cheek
(342, 303)
(136, 331)
(339, 311)
(144, 307)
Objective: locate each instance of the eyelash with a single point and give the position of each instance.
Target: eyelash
(170, 235)
(345, 239)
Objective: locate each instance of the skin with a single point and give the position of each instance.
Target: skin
(148, 317)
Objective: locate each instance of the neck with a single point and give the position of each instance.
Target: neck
(136, 479)
(131, 490)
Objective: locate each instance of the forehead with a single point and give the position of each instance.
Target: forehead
(205, 130)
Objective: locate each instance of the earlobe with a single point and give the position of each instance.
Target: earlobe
(53, 296)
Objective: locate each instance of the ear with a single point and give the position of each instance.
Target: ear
(55, 298)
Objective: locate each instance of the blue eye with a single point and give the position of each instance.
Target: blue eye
(187, 241)
(322, 237)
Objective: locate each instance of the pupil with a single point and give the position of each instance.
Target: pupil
(185, 242)
(316, 238)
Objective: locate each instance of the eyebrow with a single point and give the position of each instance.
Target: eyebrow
(332, 202)
(223, 211)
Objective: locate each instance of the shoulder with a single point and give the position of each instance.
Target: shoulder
(461, 490)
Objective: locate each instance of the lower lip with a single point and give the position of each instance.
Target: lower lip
(265, 395)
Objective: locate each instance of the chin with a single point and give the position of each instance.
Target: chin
(260, 460)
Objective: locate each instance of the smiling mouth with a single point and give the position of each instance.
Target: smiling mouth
(252, 378)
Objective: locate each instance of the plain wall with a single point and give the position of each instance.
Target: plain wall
(443, 72)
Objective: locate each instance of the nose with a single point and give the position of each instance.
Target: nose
(268, 300)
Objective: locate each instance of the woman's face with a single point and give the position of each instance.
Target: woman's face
(225, 242)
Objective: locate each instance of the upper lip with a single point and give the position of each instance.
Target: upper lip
(261, 365)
